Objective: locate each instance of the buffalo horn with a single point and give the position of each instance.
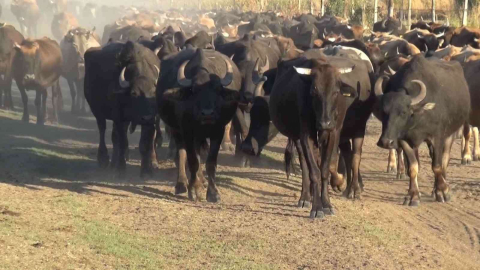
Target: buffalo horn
(121, 79)
(379, 86)
(303, 71)
(184, 82)
(391, 71)
(423, 92)
(157, 50)
(227, 80)
(440, 35)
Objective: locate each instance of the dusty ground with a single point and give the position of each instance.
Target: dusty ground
(59, 211)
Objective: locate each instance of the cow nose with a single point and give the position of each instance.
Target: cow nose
(326, 125)
(207, 112)
(386, 143)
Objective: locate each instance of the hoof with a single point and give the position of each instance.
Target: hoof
(213, 196)
(442, 197)
(304, 204)
(411, 202)
(40, 123)
(328, 211)
(392, 170)
(466, 161)
(103, 162)
(147, 172)
(336, 189)
(316, 214)
(476, 158)
(400, 176)
(414, 203)
(229, 147)
(180, 188)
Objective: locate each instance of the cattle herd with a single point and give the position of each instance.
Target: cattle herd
(315, 79)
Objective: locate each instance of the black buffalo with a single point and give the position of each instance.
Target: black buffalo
(197, 96)
(120, 81)
(426, 100)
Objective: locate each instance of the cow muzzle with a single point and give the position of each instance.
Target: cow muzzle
(326, 125)
(387, 143)
(207, 117)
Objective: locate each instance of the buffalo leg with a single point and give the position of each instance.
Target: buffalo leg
(413, 197)
(23, 93)
(55, 102)
(466, 153)
(392, 161)
(227, 141)
(306, 142)
(211, 165)
(121, 164)
(193, 158)
(305, 197)
(81, 97)
(241, 132)
(476, 146)
(73, 93)
(114, 161)
(441, 158)
(38, 106)
(146, 149)
(346, 151)
(8, 91)
(102, 154)
(401, 164)
(356, 159)
(182, 180)
(328, 167)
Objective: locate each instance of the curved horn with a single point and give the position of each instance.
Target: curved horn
(397, 50)
(423, 93)
(346, 70)
(384, 23)
(378, 86)
(420, 36)
(182, 81)
(157, 50)
(440, 35)
(266, 66)
(426, 47)
(121, 79)
(227, 80)
(391, 70)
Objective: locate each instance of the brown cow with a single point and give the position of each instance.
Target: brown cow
(466, 36)
(27, 14)
(8, 37)
(74, 45)
(37, 66)
(62, 23)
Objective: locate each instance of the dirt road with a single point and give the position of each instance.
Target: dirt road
(59, 211)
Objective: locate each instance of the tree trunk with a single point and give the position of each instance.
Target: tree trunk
(434, 18)
(401, 13)
(311, 6)
(465, 14)
(300, 6)
(390, 9)
(375, 11)
(409, 13)
(322, 8)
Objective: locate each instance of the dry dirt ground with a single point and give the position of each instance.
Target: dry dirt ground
(59, 211)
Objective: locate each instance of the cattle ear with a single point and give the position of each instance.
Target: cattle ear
(348, 91)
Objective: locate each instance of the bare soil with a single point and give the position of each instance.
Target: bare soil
(58, 210)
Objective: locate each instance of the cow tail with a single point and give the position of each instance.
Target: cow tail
(288, 157)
